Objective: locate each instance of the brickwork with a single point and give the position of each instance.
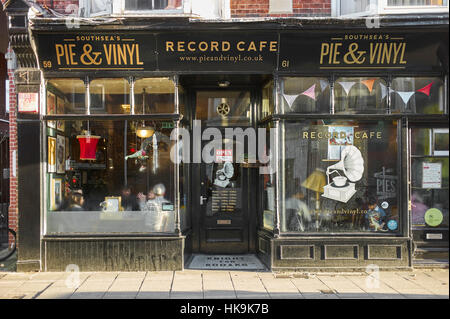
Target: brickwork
(260, 8)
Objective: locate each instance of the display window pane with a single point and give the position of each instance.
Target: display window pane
(154, 95)
(305, 95)
(268, 176)
(267, 101)
(109, 96)
(338, 179)
(223, 108)
(360, 95)
(429, 177)
(417, 95)
(65, 96)
(103, 178)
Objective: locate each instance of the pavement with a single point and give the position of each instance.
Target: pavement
(214, 284)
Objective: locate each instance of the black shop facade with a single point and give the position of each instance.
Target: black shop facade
(310, 147)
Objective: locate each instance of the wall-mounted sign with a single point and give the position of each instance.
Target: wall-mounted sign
(431, 175)
(360, 51)
(28, 102)
(243, 50)
(97, 51)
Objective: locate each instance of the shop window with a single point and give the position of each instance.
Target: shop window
(65, 96)
(360, 95)
(338, 179)
(305, 95)
(223, 108)
(267, 100)
(268, 176)
(144, 5)
(110, 96)
(429, 177)
(154, 95)
(418, 95)
(103, 178)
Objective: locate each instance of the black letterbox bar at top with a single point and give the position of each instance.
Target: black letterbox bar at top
(245, 51)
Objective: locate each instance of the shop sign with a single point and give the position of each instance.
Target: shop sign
(245, 51)
(28, 102)
(359, 51)
(96, 51)
(238, 51)
(224, 156)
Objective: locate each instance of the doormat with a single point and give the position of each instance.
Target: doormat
(226, 262)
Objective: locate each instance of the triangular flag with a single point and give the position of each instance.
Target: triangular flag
(290, 99)
(347, 86)
(383, 90)
(405, 96)
(369, 84)
(323, 85)
(426, 89)
(311, 92)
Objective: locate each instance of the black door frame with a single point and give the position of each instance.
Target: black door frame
(252, 173)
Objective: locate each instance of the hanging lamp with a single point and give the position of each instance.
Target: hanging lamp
(143, 131)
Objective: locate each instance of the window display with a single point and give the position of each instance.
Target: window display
(105, 179)
(418, 95)
(337, 177)
(305, 95)
(360, 95)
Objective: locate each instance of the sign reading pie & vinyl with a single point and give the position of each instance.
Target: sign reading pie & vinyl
(241, 51)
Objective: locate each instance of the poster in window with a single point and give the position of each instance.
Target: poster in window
(60, 154)
(60, 125)
(431, 175)
(56, 193)
(340, 136)
(440, 138)
(51, 108)
(51, 156)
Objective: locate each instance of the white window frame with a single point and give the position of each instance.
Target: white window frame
(119, 9)
(382, 7)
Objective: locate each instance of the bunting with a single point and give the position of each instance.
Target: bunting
(384, 90)
(347, 86)
(426, 89)
(406, 96)
(290, 99)
(369, 84)
(323, 85)
(310, 92)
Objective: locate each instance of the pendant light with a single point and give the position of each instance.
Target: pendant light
(143, 131)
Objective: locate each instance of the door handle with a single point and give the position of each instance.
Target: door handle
(202, 199)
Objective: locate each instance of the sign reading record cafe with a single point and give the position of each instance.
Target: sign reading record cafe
(240, 51)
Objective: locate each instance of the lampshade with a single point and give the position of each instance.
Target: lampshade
(88, 146)
(316, 181)
(144, 131)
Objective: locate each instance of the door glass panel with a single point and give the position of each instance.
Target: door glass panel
(223, 108)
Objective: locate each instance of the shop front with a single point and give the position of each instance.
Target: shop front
(312, 147)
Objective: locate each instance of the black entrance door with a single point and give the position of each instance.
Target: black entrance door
(222, 182)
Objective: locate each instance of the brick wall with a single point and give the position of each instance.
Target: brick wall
(260, 8)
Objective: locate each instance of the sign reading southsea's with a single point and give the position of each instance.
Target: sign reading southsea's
(92, 51)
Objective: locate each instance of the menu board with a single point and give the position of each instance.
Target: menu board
(225, 200)
(432, 175)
